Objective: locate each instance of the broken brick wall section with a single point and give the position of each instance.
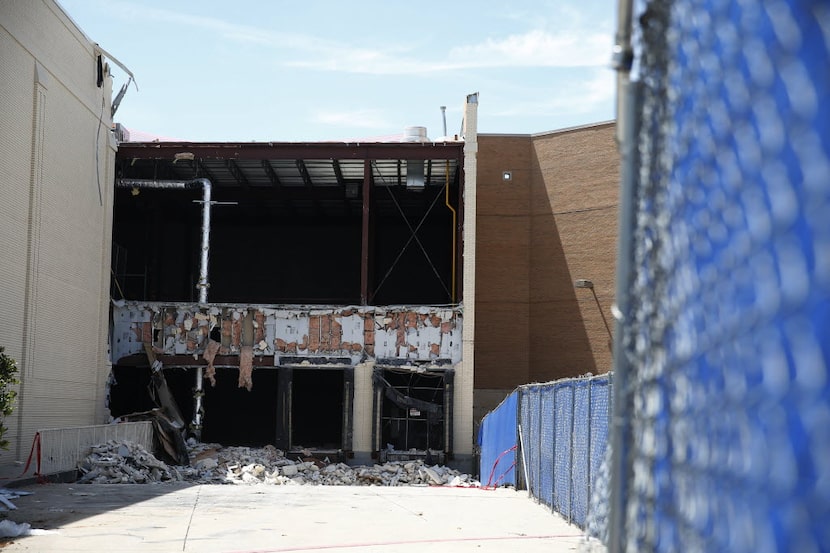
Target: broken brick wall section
(422, 334)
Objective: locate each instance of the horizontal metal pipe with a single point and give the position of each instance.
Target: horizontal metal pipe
(147, 183)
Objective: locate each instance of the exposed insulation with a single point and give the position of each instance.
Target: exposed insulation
(246, 367)
(418, 333)
(211, 349)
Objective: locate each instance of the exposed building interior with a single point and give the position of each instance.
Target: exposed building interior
(322, 256)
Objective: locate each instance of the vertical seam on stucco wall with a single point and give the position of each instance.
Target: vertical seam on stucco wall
(463, 424)
(33, 241)
(100, 411)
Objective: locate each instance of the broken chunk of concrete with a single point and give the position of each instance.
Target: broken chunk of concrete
(206, 464)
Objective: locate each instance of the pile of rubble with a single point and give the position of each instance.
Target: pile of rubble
(124, 463)
(118, 462)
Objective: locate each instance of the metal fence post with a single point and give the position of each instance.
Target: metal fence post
(619, 431)
(553, 452)
(571, 452)
(590, 451)
(539, 445)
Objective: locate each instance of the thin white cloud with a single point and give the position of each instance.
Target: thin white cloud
(577, 96)
(535, 48)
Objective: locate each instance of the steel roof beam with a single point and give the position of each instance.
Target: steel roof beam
(311, 150)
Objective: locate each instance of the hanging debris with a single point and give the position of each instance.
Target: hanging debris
(246, 367)
(118, 462)
(211, 349)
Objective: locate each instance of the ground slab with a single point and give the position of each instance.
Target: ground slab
(271, 519)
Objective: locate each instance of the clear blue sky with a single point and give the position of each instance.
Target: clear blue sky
(338, 70)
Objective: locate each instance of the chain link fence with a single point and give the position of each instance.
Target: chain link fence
(550, 439)
(727, 400)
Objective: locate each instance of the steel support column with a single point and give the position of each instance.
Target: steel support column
(366, 237)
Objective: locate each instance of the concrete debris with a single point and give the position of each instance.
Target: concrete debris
(215, 464)
(6, 495)
(124, 463)
(10, 529)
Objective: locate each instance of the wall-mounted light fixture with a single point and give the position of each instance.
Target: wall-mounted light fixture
(589, 284)
(507, 176)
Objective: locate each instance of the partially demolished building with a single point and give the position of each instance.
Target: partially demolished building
(337, 314)
(309, 296)
(359, 299)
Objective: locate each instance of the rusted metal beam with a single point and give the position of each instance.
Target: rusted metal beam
(293, 150)
(172, 361)
(237, 173)
(366, 235)
(304, 173)
(272, 175)
(338, 172)
(202, 171)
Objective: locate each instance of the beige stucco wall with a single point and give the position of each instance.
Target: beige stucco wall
(55, 218)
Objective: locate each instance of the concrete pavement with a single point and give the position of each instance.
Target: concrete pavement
(270, 519)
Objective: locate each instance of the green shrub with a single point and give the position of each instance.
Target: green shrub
(8, 378)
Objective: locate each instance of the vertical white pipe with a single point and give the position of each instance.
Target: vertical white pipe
(203, 284)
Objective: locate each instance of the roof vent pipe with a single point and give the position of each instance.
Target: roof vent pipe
(444, 117)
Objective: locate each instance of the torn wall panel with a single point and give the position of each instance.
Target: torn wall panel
(418, 334)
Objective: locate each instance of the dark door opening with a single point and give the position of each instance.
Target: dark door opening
(413, 410)
(316, 409)
(235, 416)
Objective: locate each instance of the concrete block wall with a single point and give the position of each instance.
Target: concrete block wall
(56, 165)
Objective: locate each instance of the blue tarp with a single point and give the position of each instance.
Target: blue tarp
(497, 438)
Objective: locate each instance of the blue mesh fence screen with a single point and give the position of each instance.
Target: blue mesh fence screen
(524, 420)
(727, 446)
(532, 439)
(562, 458)
(581, 461)
(497, 437)
(564, 430)
(600, 412)
(546, 465)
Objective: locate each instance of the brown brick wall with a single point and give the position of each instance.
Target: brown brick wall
(574, 200)
(502, 262)
(555, 222)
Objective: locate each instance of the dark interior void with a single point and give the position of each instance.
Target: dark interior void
(235, 416)
(265, 249)
(407, 427)
(129, 392)
(232, 415)
(317, 408)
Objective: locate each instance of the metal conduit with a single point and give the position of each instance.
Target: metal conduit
(203, 284)
(454, 229)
